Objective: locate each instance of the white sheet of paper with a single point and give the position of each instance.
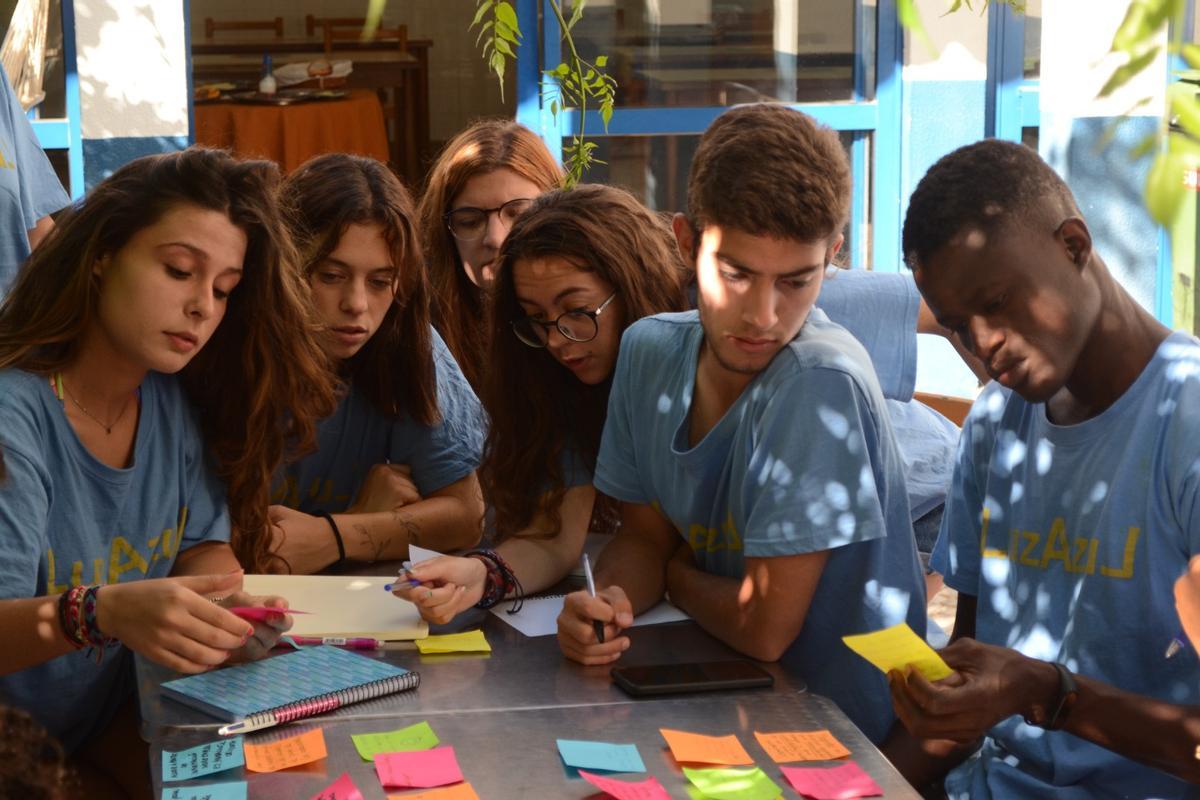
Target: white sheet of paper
(418, 554)
(539, 615)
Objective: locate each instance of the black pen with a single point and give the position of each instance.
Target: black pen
(591, 586)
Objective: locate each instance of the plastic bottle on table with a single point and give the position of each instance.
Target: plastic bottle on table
(266, 84)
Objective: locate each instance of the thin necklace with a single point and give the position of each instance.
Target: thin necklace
(108, 427)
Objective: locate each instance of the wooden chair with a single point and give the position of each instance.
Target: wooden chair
(333, 34)
(954, 409)
(312, 23)
(211, 26)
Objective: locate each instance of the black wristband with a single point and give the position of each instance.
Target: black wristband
(337, 537)
(1055, 715)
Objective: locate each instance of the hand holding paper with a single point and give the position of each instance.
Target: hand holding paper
(895, 648)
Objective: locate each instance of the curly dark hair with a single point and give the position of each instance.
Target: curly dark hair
(769, 170)
(983, 186)
(32, 764)
(537, 409)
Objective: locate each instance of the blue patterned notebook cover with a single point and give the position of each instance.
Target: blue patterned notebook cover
(244, 689)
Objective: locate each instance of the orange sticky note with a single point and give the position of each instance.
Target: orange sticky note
(461, 791)
(274, 756)
(696, 748)
(801, 746)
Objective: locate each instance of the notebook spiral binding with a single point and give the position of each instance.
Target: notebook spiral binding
(328, 702)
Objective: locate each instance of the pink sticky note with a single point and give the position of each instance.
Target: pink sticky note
(649, 789)
(836, 783)
(341, 789)
(260, 614)
(421, 769)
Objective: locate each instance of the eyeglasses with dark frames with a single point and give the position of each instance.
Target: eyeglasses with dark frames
(469, 223)
(578, 326)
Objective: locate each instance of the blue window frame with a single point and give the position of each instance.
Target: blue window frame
(65, 133)
(868, 116)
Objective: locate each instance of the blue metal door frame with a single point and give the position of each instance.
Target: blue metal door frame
(879, 118)
(66, 134)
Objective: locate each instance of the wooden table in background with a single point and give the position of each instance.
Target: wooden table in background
(376, 65)
(292, 134)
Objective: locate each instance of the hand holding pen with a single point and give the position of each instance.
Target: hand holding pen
(591, 623)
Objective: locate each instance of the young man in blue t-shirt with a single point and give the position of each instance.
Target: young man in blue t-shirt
(748, 442)
(1075, 502)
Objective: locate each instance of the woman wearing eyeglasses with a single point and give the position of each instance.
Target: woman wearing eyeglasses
(574, 272)
(482, 181)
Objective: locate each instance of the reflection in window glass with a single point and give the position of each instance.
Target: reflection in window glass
(1029, 137)
(655, 169)
(1033, 38)
(706, 53)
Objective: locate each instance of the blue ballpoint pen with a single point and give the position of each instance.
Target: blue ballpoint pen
(405, 567)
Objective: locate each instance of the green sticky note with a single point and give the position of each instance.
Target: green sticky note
(732, 783)
(414, 737)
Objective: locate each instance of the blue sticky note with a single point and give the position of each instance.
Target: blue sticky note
(235, 790)
(204, 759)
(601, 755)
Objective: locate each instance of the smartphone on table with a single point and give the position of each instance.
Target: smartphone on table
(707, 676)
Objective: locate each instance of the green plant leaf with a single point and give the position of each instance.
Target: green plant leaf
(506, 14)
(1191, 54)
(1165, 187)
(910, 18)
(1148, 144)
(576, 13)
(601, 61)
(1184, 107)
(484, 5)
(502, 46)
(1127, 71)
(483, 29)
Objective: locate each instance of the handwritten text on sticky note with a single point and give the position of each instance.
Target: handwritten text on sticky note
(695, 748)
(204, 759)
(234, 790)
(649, 789)
(414, 737)
(422, 769)
(724, 783)
(833, 783)
(897, 647)
(341, 789)
(801, 746)
(286, 753)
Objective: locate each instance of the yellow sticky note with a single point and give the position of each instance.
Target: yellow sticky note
(897, 647)
(696, 748)
(469, 642)
(460, 791)
(285, 753)
(801, 746)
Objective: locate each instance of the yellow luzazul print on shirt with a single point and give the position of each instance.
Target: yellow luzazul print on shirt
(122, 557)
(1077, 556)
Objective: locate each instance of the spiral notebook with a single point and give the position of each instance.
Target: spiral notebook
(298, 684)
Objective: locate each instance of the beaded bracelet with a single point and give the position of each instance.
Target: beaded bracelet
(69, 604)
(77, 617)
(501, 580)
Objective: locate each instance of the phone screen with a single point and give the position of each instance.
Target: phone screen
(694, 677)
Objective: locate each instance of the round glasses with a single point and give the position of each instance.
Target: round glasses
(469, 223)
(578, 326)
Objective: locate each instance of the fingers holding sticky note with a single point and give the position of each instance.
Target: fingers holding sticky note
(896, 648)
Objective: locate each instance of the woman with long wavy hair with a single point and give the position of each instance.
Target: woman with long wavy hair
(485, 177)
(156, 359)
(395, 463)
(577, 268)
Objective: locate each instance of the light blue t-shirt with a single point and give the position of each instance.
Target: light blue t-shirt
(803, 461)
(880, 311)
(29, 189)
(1071, 538)
(357, 436)
(66, 518)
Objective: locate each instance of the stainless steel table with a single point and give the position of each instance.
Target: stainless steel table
(502, 713)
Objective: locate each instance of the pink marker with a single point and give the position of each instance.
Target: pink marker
(261, 613)
(354, 643)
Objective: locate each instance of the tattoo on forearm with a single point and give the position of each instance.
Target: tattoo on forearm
(370, 545)
(411, 529)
